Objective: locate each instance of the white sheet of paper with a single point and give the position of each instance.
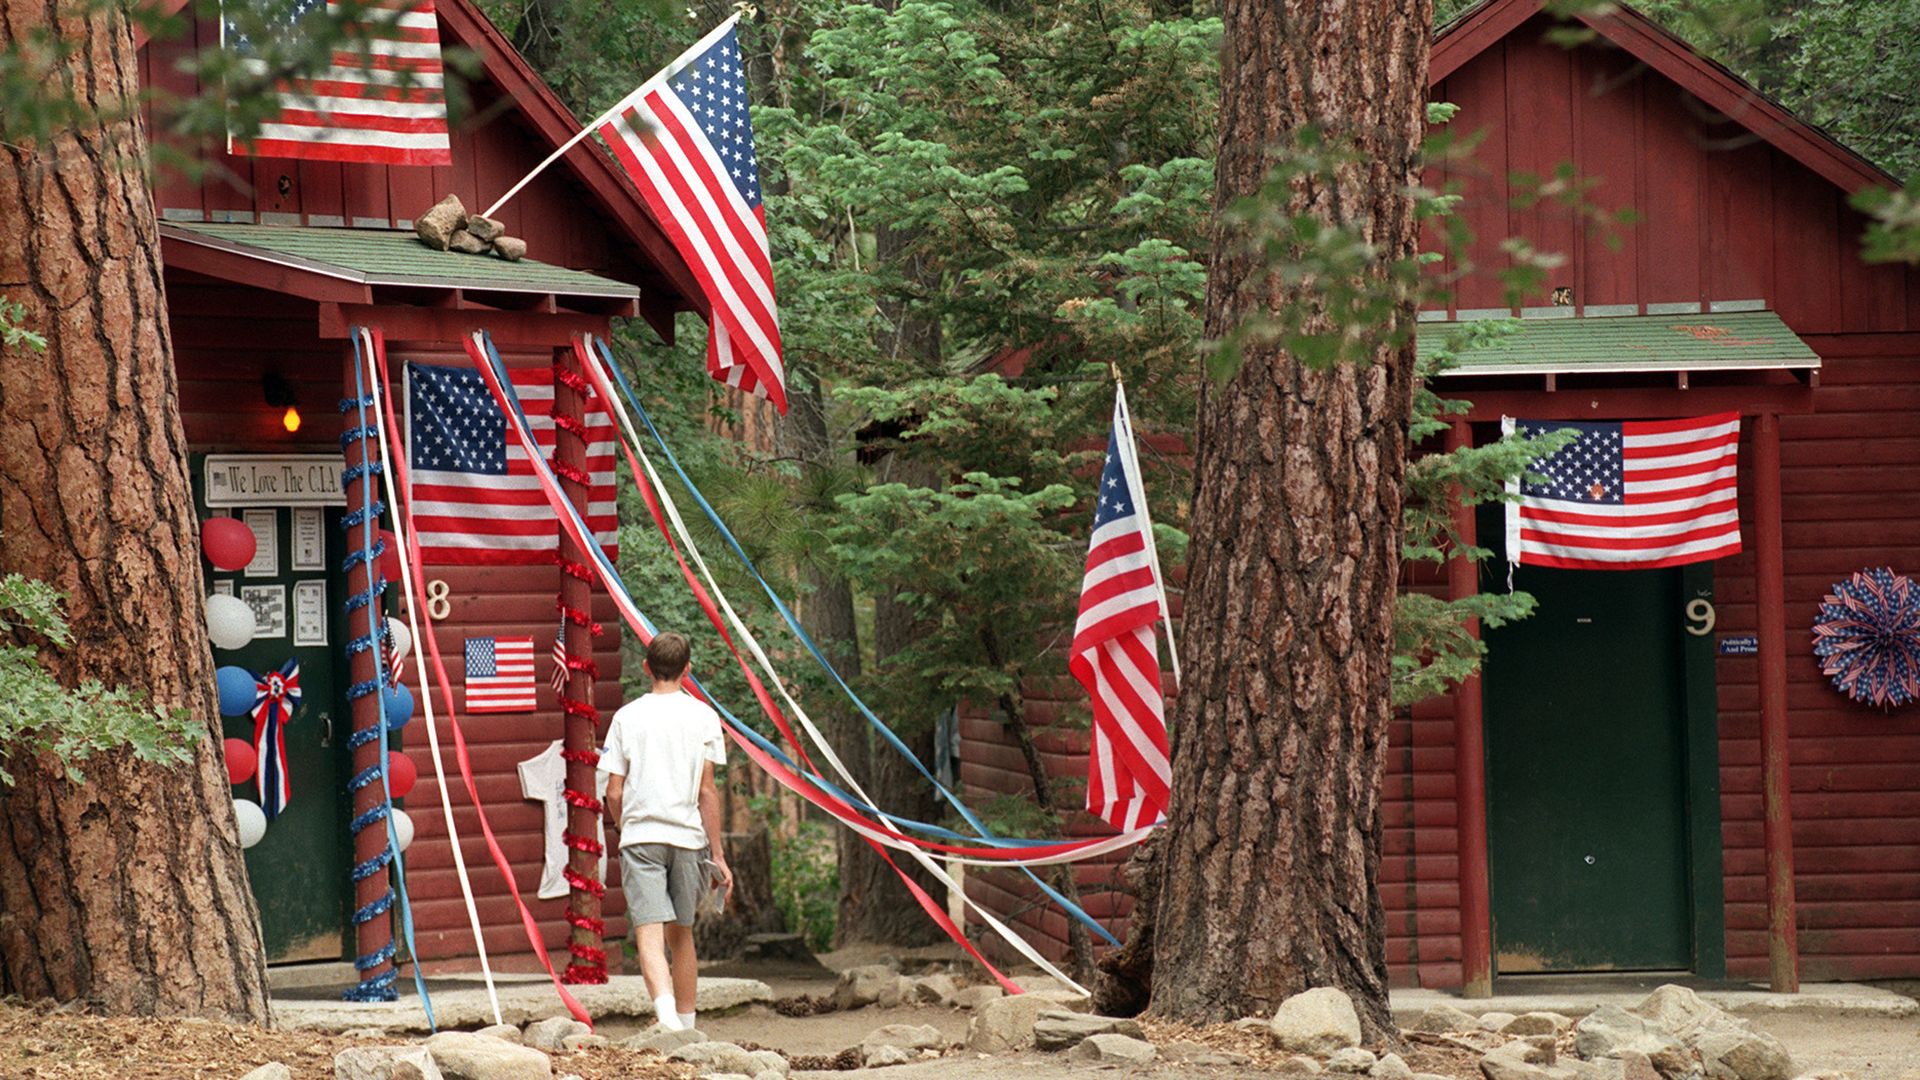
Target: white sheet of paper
(310, 613)
(266, 539)
(309, 542)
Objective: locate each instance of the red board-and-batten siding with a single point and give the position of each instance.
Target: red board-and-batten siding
(1720, 218)
(225, 335)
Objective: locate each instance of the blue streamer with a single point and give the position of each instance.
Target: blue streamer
(793, 623)
(371, 547)
(766, 745)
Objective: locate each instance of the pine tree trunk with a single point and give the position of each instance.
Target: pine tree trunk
(1272, 847)
(126, 890)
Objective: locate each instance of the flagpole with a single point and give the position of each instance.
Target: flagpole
(620, 106)
(1138, 478)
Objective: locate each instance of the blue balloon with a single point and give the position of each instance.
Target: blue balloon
(399, 702)
(237, 690)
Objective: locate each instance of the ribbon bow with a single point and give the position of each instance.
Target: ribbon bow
(275, 695)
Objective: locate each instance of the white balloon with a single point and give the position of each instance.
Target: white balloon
(402, 639)
(402, 828)
(252, 821)
(229, 621)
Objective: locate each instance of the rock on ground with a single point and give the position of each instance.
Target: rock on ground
(385, 1063)
(1057, 1029)
(1187, 1052)
(865, 985)
(725, 1057)
(547, 1034)
(972, 997)
(584, 1040)
(1320, 1021)
(465, 1056)
(1391, 1067)
(272, 1070)
(1523, 1061)
(1301, 1063)
(1611, 1030)
(436, 227)
(1353, 1059)
(1443, 1019)
(905, 1036)
(931, 990)
(1113, 1049)
(1494, 1021)
(502, 1031)
(1536, 1023)
(664, 1040)
(881, 1056)
(1007, 1023)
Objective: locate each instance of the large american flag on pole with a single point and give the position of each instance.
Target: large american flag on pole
(381, 102)
(1628, 495)
(686, 140)
(1114, 654)
(475, 498)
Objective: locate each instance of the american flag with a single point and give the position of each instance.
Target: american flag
(383, 100)
(685, 139)
(1628, 495)
(499, 674)
(476, 501)
(559, 679)
(1114, 654)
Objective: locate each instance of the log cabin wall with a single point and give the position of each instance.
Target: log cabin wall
(1722, 214)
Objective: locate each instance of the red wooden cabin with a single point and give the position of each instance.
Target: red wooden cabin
(1735, 816)
(268, 264)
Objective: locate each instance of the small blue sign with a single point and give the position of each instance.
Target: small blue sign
(1740, 646)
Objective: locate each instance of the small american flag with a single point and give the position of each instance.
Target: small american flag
(1628, 495)
(499, 675)
(476, 501)
(1114, 654)
(382, 102)
(559, 679)
(685, 138)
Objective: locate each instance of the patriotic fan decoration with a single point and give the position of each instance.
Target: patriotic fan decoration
(1867, 637)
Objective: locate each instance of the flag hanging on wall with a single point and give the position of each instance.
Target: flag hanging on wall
(499, 674)
(560, 673)
(1114, 654)
(381, 102)
(685, 138)
(1628, 495)
(476, 501)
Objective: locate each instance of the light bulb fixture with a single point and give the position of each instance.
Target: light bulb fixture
(279, 395)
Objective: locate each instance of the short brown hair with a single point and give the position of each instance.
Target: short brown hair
(667, 656)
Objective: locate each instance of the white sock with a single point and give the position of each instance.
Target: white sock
(664, 1012)
(686, 1021)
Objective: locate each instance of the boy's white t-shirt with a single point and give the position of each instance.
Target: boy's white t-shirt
(661, 744)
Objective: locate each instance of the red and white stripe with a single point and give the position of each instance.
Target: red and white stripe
(468, 519)
(510, 688)
(386, 106)
(1680, 503)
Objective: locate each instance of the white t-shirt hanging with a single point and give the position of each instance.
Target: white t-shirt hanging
(662, 743)
(543, 778)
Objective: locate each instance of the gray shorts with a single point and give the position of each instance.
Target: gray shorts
(663, 883)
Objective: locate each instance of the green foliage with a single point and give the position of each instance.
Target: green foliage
(39, 715)
(806, 882)
(13, 328)
(1894, 235)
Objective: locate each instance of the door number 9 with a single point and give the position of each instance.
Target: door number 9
(438, 605)
(1700, 616)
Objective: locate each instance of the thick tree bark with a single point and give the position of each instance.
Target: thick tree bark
(1272, 846)
(127, 890)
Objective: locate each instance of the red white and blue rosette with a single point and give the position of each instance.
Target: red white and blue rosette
(1867, 637)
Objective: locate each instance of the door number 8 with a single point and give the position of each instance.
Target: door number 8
(1700, 616)
(438, 606)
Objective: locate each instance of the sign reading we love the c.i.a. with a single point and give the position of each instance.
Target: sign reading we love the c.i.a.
(274, 480)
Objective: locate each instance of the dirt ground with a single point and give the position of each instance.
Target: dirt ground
(43, 1043)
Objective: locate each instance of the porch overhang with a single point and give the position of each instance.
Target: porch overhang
(391, 268)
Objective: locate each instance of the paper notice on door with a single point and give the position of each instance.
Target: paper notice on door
(266, 542)
(269, 604)
(310, 613)
(309, 544)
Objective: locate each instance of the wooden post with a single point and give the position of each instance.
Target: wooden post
(1776, 782)
(588, 963)
(372, 936)
(1470, 767)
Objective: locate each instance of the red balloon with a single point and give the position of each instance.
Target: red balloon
(390, 559)
(401, 774)
(227, 542)
(240, 761)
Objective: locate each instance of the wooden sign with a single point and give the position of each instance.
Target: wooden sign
(274, 480)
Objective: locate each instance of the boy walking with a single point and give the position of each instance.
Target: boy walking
(661, 750)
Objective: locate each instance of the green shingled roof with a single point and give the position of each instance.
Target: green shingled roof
(1726, 341)
(391, 257)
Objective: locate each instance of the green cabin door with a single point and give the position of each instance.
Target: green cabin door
(1586, 733)
(299, 870)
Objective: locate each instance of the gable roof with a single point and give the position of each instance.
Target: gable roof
(552, 123)
(1480, 28)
